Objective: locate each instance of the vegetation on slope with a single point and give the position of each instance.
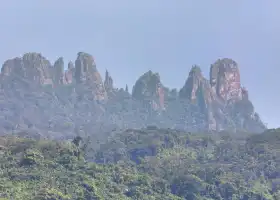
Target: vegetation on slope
(143, 164)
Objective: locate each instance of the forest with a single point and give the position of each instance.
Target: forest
(143, 164)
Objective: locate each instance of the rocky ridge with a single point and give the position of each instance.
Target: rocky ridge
(44, 98)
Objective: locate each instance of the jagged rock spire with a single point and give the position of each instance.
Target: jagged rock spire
(149, 87)
(222, 100)
(58, 71)
(69, 73)
(126, 88)
(108, 83)
(31, 66)
(225, 79)
(86, 73)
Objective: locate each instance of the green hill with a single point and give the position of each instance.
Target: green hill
(143, 164)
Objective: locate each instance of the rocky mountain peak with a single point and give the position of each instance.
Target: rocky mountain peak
(108, 82)
(195, 71)
(12, 66)
(225, 79)
(194, 84)
(149, 87)
(70, 65)
(69, 73)
(245, 93)
(220, 97)
(31, 66)
(86, 73)
(84, 67)
(58, 71)
(87, 100)
(126, 88)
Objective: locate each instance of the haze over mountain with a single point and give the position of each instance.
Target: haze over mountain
(40, 97)
(139, 100)
(159, 35)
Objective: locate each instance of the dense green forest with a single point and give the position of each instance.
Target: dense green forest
(146, 164)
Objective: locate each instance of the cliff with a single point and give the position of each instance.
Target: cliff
(44, 97)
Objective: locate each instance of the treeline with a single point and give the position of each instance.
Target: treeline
(144, 164)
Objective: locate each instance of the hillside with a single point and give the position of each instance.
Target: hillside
(143, 164)
(44, 100)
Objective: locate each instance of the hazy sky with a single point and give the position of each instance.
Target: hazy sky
(131, 37)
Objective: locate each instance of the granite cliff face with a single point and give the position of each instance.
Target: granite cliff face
(36, 95)
(58, 72)
(69, 74)
(32, 68)
(149, 88)
(225, 80)
(108, 83)
(86, 73)
(198, 90)
(223, 100)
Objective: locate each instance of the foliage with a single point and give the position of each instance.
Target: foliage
(147, 164)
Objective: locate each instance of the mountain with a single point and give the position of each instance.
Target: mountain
(43, 99)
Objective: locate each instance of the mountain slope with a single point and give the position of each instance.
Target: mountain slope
(40, 98)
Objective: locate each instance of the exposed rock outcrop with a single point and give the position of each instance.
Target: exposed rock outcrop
(149, 88)
(58, 72)
(32, 67)
(198, 90)
(69, 74)
(108, 82)
(86, 73)
(196, 87)
(245, 94)
(225, 80)
(126, 88)
(84, 68)
(223, 101)
(88, 104)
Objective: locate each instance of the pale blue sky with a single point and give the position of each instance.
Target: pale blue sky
(131, 37)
